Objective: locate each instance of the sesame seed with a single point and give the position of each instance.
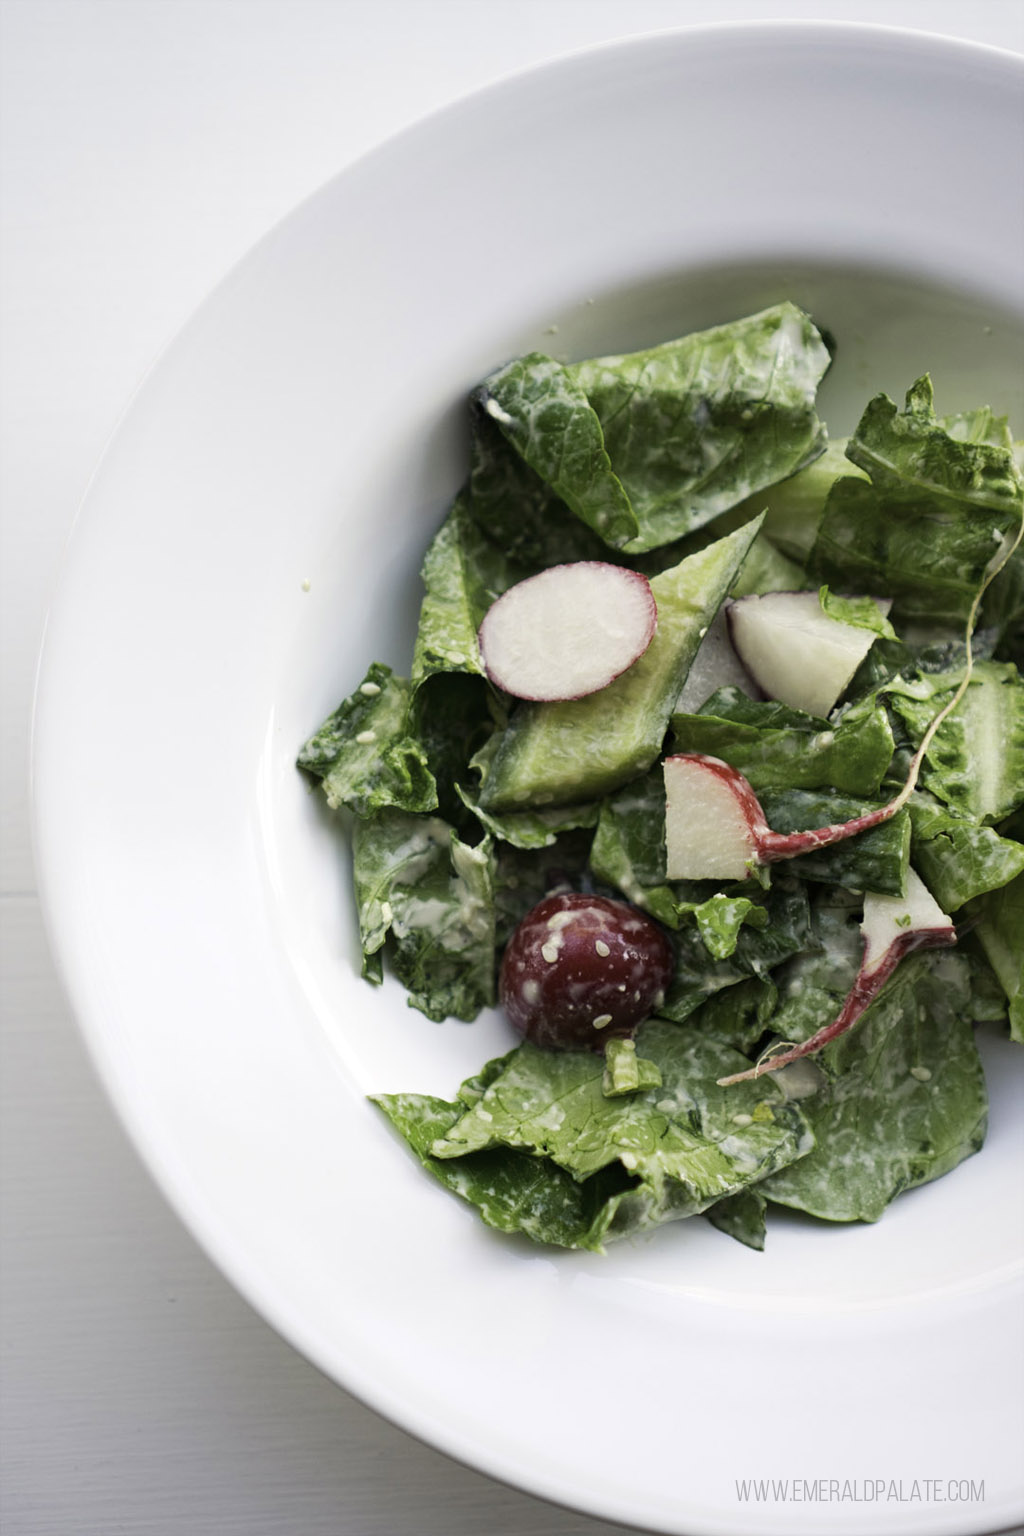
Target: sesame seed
(602, 1020)
(365, 737)
(602, 947)
(369, 689)
(550, 952)
(923, 1074)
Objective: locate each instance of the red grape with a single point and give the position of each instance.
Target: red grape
(579, 969)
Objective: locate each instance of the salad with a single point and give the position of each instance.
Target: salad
(709, 766)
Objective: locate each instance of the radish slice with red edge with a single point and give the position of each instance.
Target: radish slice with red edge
(568, 631)
(893, 926)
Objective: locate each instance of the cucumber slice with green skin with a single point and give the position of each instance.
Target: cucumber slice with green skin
(578, 749)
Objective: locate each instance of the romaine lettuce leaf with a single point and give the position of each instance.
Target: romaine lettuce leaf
(779, 748)
(957, 858)
(975, 764)
(738, 1015)
(532, 829)
(742, 1217)
(514, 508)
(577, 750)
(720, 918)
(999, 917)
(512, 1190)
(875, 860)
(758, 951)
(694, 426)
(453, 714)
(364, 753)
(861, 612)
(906, 1101)
(925, 529)
(544, 413)
(463, 574)
(793, 508)
(434, 895)
(687, 1143)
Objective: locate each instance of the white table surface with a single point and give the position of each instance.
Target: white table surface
(144, 146)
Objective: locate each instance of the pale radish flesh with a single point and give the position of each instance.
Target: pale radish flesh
(714, 824)
(716, 829)
(892, 926)
(567, 632)
(794, 651)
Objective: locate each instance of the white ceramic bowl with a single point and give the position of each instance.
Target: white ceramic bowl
(309, 425)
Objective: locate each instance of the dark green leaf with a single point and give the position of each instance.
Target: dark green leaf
(364, 753)
(540, 408)
(513, 1191)
(415, 880)
(694, 426)
(907, 1098)
(875, 860)
(779, 748)
(975, 763)
(956, 858)
(925, 529)
(687, 1143)
(463, 573)
(742, 1217)
(758, 951)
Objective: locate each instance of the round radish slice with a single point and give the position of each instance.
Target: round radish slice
(568, 631)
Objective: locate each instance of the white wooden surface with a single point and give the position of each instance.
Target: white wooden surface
(144, 145)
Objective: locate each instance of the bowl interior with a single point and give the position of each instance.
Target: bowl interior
(251, 542)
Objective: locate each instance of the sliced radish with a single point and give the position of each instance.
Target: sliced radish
(893, 926)
(716, 829)
(714, 824)
(794, 651)
(716, 665)
(568, 631)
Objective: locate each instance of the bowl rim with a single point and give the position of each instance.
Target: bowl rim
(159, 1159)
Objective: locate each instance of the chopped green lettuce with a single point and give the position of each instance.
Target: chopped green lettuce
(512, 1190)
(775, 747)
(720, 918)
(975, 764)
(937, 510)
(741, 1216)
(1000, 925)
(626, 1072)
(685, 1143)
(694, 426)
(698, 975)
(906, 1099)
(434, 896)
(861, 612)
(463, 573)
(958, 858)
(364, 753)
(544, 413)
